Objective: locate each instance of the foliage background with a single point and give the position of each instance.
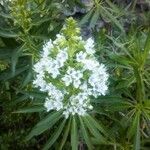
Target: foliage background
(121, 32)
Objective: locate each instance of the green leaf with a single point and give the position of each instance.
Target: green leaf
(121, 46)
(94, 18)
(122, 59)
(94, 130)
(126, 83)
(109, 99)
(30, 109)
(8, 74)
(113, 103)
(113, 6)
(146, 47)
(85, 134)
(14, 59)
(8, 34)
(118, 107)
(18, 100)
(5, 15)
(27, 79)
(74, 136)
(54, 136)
(66, 132)
(97, 125)
(112, 18)
(45, 124)
(137, 142)
(5, 53)
(34, 94)
(86, 17)
(146, 104)
(133, 128)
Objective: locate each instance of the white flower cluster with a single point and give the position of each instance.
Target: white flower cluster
(78, 104)
(73, 76)
(70, 80)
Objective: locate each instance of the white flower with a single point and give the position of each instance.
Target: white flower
(48, 105)
(52, 67)
(47, 48)
(67, 79)
(62, 56)
(55, 72)
(77, 74)
(76, 83)
(70, 71)
(66, 114)
(90, 107)
(73, 76)
(90, 64)
(38, 67)
(78, 105)
(51, 104)
(80, 57)
(40, 82)
(89, 46)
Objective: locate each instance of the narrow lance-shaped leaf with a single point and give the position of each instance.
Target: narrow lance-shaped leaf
(5, 53)
(85, 134)
(8, 34)
(31, 109)
(66, 133)
(122, 47)
(93, 130)
(146, 47)
(55, 135)
(133, 127)
(94, 18)
(27, 79)
(8, 74)
(112, 18)
(14, 59)
(113, 6)
(74, 134)
(45, 124)
(137, 137)
(34, 94)
(86, 17)
(97, 125)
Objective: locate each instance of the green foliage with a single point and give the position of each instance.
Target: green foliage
(104, 9)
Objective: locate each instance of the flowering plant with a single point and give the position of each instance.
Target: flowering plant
(69, 72)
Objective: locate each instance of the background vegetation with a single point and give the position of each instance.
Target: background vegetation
(120, 120)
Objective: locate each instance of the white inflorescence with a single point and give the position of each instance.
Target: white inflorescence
(70, 80)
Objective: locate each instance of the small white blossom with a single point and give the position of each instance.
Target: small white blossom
(77, 75)
(90, 64)
(47, 48)
(67, 79)
(80, 57)
(89, 46)
(76, 83)
(62, 56)
(73, 76)
(38, 66)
